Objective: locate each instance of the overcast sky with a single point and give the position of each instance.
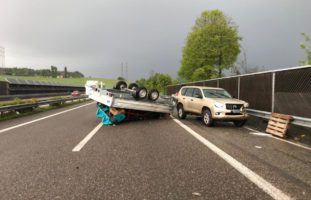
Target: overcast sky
(95, 36)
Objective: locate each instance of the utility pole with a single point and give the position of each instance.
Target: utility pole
(126, 71)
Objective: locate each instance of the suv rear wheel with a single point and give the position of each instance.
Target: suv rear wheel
(181, 112)
(207, 118)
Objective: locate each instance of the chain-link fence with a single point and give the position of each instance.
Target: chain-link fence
(285, 91)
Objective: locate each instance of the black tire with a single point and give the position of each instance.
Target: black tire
(153, 95)
(181, 112)
(207, 118)
(239, 123)
(141, 93)
(121, 85)
(133, 86)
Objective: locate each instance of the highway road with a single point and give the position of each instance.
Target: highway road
(67, 154)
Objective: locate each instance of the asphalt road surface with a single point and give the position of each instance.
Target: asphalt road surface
(67, 154)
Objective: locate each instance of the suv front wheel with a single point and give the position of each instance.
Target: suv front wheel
(207, 118)
(181, 112)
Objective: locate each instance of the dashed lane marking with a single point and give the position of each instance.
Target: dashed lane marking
(46, 117)
(87, 138)
(267, 187)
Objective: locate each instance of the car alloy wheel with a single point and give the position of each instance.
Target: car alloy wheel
(180, 112)
(206, 118)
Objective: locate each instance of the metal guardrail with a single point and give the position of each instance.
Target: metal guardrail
(40, 103)
(24, 96)
(299, 121)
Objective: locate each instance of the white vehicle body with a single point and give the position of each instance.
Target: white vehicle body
(119, 99)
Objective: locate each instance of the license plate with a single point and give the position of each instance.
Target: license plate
(236, 111)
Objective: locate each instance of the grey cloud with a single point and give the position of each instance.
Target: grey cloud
(96, 36)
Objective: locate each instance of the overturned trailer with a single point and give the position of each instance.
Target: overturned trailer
(123, 103)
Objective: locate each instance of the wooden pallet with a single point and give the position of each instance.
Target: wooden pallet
(278, 124)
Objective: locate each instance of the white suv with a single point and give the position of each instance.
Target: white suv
(212, 104)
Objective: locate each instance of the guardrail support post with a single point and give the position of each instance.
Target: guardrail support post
(239, 79)
(273, 92)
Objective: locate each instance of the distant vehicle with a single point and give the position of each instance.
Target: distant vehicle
(213, 104)
(75, 93)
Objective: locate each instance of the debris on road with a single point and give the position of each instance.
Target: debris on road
(258, 147)
(278, 124)
(196, 194)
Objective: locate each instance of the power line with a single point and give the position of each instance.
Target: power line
(126, 71)
(122, 69)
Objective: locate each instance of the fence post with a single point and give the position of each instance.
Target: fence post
(273, 92)
(239, 78)
(218, 83)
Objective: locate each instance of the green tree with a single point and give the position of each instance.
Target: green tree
(120, 78)
(65, 72)
(211, 46)
(157, 81)
(306, 46)
(54, 71)
(141, 82)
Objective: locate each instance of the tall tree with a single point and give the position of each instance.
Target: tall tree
(65, 72)
(54, 71)
(157, 81)
(306, 46)
(211, 46)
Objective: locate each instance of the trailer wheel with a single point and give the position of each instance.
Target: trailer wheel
(121, 85)
(133, 86)
(153, 95)
(141, 93)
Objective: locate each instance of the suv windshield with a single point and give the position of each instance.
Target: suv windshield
(216, 93)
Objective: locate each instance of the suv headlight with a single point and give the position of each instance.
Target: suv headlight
(246, 105)
(220, 105)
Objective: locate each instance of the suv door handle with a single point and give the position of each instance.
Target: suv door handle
(183, 98)
(191, 99)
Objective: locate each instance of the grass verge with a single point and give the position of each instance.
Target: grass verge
(74, 81)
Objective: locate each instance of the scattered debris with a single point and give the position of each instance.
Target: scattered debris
(278, 124)
(196, 194)
(258, 147)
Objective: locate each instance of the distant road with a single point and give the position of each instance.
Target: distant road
(67, 154)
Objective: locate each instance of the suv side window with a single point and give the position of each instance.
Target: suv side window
(197, 92)
(183, 91)
(189, 92)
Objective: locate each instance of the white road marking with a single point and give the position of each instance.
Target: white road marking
(259, 134)
(46, 117)
(252, 176)
(87, 138)
(280, 139)
(251, 129)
